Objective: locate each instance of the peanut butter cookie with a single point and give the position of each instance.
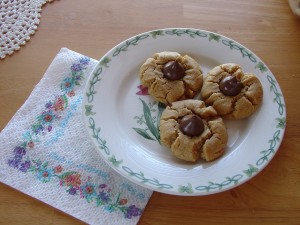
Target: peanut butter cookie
(192, 131)
(170, 77)
(233, 93)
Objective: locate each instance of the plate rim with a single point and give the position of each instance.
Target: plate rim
(214, 187)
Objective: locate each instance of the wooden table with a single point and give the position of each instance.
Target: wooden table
(93, 27)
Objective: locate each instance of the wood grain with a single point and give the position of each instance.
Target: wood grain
(93, 27)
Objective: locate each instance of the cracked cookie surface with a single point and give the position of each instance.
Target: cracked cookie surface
(209, 145)
(166, 90)
(236, 106)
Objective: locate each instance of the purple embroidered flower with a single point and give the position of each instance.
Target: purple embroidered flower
(78, 77)
(84, 60)
(103, 196)
(49, 128)
(14, 162)
(72, 191)
(102, 186)
(132, 211)
(25, 166)
(48, 105)
(19, 152)
(76, 67)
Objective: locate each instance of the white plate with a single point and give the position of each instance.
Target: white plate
(115, 116)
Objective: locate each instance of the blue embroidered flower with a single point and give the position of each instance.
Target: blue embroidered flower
(67, 85)
(88, 191)
(43, 122)
(47, 117)
(109, 208)
(45, 174)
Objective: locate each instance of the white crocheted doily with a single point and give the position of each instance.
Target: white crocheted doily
(18, 21)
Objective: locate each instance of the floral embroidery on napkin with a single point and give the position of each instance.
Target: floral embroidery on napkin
(73, 181)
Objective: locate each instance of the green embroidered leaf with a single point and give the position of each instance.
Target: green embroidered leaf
(99, 202)
(66, 174)
(143, 133)
(66, 102)
(24, 144)
(45, 164)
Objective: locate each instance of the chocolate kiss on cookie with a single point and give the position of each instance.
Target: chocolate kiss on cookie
(191, 125)
(170, 76)
(231, 86)
(191, 130)
(173, 70)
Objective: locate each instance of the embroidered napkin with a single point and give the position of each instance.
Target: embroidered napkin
(47, 154)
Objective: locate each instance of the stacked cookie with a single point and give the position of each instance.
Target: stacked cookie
(194, 128)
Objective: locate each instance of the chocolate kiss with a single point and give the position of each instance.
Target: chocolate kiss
(173, 70)
(191, 125)
(231, 86)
